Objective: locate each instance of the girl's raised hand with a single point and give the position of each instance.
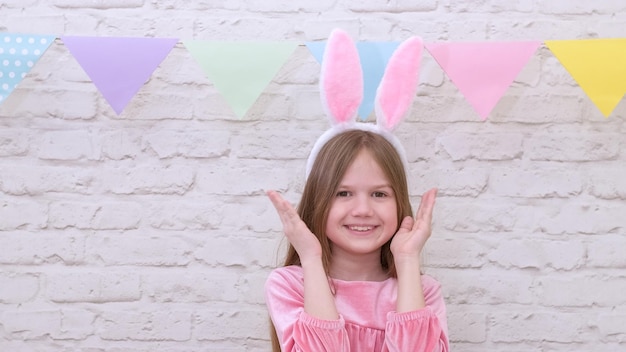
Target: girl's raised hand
(296, 231)
(413, 233)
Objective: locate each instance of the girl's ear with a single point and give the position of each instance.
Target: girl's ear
(341, 80)
(399, 84)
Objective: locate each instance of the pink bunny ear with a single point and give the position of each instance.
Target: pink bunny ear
(341, 81)
(399, 84)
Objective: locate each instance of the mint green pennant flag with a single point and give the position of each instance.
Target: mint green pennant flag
(240, 71)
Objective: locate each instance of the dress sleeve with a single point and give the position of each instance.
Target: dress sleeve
(296, 330)
(423, 330)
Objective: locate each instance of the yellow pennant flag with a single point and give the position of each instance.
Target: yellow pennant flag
(597, 65)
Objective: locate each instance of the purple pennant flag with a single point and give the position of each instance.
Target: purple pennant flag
(119, 67)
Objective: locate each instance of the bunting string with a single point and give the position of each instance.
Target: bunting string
(240, 71)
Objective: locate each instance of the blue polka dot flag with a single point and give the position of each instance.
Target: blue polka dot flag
(18, 55)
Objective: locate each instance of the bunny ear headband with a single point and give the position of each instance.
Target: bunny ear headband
(341, 86)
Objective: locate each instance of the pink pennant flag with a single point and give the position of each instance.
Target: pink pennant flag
(119, 67)
(483, 71)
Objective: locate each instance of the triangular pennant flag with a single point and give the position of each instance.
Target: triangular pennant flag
(119, 67)
(316, 49)
(18, 55)
(240, 71)
(483, 71)
(597, 65)
(374, 57)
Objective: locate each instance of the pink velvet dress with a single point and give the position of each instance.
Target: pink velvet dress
(367, 322)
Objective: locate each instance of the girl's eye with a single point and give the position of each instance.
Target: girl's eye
(379, 194)
(343, 194)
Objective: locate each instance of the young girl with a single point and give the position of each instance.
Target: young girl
(352, 279)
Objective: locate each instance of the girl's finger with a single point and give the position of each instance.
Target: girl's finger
(281, 206)
(286, 212)
(425, 210)
(274, 198)
(406, 224)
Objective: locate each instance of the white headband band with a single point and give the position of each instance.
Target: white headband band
(338, 129)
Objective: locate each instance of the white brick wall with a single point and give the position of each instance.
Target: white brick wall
(150, 231)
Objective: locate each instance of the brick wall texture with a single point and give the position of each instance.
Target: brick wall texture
(150, 230)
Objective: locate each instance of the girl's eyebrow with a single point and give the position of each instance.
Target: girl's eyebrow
(386, 185)
(378, 186)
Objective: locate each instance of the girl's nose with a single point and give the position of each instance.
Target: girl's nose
(362, 206)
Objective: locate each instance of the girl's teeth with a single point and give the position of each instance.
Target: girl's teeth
(360, 228)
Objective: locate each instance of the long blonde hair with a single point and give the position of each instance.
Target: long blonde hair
(319, 190)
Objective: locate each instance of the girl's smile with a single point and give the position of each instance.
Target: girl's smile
(360, 228)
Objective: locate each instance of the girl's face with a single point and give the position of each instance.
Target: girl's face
(363, 214)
